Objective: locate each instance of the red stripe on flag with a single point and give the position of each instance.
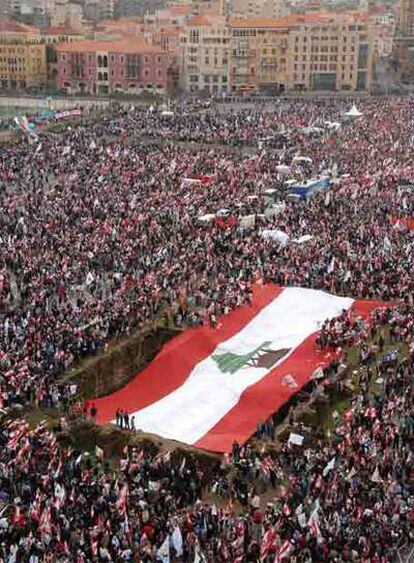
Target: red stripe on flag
(408, 222)
(264, 398)
(177, 359)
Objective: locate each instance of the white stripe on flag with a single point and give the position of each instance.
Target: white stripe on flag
(192, 409)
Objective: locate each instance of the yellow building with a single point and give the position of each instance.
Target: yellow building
(204, 54)
(22, 57)
(259, 54)
(301, 52)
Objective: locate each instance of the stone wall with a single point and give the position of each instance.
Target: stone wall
(104, 374)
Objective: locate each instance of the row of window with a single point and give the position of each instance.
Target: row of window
(12, 50)
(297, 76)
(255, 32)
(206, 50)
(79, 72)
(103, 59)
(13, 84)
(214, 78)
(83, 86)
(322, 58)
(12, 60)
(12, 69)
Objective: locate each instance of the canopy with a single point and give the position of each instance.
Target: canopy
(283, 168)
(223, 213)
(310, 187)
(353, 112)
(207, 218)
(302, 239)
(302, 159)
(247, 221)
(275, 209)
(333, 125)
(275, 235)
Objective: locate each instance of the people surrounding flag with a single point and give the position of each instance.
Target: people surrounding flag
(100, 237)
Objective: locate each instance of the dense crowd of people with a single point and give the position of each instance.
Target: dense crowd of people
(346, 498)
(102, 234)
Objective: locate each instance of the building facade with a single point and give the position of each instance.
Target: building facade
(22, 58)
(204, 55)
(258, 8)
(299, 53)
(406, 24)
(106, 67)
(96, 10)
(52, 36)
(383, 24)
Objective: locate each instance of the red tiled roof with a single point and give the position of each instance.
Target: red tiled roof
(7, 26)
(207, 20)
(60, 30)
(297, 19)
(135, 45)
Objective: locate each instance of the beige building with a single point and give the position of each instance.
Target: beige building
(204, 54)
(96, 10)
(406, 26)
(22, 57)
(258, 8)
(301, 52)
(383, 25)
(67, 13)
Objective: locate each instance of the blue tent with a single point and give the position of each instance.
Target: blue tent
(310, 187)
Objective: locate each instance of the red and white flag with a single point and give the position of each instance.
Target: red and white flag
(284, 552)
(268, 544)
(211, 386)
(122, 500)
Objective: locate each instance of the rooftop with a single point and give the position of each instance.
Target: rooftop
(298, 19)
(132, 45)
(60, 30)
(7, 26)
(207, 20)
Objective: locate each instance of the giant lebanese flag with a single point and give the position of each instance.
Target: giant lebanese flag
(209, 387)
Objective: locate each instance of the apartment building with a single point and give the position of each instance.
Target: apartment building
(301, 52)
(52, 36)
(406, 23)
(22, 57)
(204, 54)
(383, 25)
(258, 8)
(60, 34)
(259, 54)
(95, 10)
(105, 67)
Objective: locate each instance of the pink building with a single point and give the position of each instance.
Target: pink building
(105, 67)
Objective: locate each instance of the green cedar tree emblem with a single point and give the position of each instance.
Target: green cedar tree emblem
(260, 357)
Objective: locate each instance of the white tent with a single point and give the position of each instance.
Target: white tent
(353, 112)
(332, 125)
(223, 213)
(247, 221)
(276, 236)
(283, 169)
(275, 209)
(302, 160)
(207, 218)
(302, 239)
